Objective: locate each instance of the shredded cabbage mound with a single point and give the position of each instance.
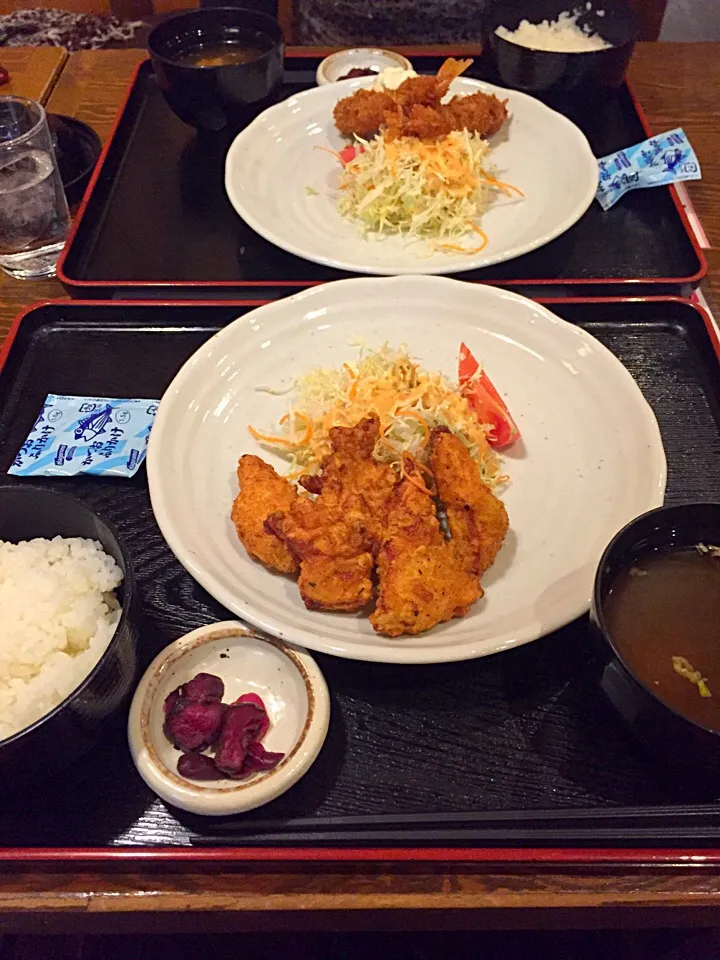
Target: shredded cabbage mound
(408, 401)
(434, 190)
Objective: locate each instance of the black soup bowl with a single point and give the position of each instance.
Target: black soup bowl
(660, 729)
(80, 720)
(213, 97)
(565, 80)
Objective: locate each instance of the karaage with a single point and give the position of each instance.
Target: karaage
(262, 492)
(421, 578)
(478, 521)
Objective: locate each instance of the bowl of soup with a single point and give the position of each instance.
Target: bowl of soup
(655, 621)
(217, 66)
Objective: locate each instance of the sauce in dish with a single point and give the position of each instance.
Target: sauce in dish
(226, 54)
(663, 617)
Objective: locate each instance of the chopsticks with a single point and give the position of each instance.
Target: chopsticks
(622, 825)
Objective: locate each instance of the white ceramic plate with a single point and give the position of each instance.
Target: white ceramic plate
(272, 163)
(591, 457)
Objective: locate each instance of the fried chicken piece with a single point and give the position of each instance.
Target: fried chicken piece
(262, 492)
(363, 113)
(338, 584)
(334, 536)
(478, 521)
(476, 112)
(421, 578)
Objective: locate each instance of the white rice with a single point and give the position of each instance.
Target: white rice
(58, 613)
(559, 36)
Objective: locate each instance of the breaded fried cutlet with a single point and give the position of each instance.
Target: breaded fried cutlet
(335, 535)
(478, 521)
(262, 492)
(421, 580)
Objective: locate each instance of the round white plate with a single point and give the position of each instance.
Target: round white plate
(272, 163)
(591, 457)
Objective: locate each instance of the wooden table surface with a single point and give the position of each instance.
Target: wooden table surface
(678, 85)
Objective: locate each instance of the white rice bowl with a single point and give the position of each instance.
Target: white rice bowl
(58, 613)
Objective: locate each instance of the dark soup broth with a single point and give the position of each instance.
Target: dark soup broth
(227, 54)
(663, 617)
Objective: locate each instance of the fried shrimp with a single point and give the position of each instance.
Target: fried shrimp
(416, 109)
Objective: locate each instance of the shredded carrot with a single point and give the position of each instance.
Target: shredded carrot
(265, 438)
(428, 471)
(353, 390)
(349, 369)
(331, 152)
(501, 184)
(308, 426)
(455, 248)
(416, 483)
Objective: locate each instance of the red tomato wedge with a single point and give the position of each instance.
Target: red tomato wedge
(486, 403)
(349, 153)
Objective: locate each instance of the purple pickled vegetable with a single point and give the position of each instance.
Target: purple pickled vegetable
(173, 701)
(198, 766)
(243, 722)
(203, 688)
(257, 701)
(258, 758)
(194, 726)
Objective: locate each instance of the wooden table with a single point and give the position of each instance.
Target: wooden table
(678, 86)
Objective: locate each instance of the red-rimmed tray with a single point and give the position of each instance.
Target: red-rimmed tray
(155, 219)
(557, 778)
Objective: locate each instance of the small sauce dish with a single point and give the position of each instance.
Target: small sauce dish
(338, 65)
(286, 678)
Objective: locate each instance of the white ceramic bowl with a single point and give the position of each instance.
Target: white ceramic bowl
(291, 686)
(338, 64)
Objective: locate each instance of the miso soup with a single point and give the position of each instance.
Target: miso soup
(663, 617)
(225, 54)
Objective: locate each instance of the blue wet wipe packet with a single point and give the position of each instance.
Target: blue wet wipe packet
(667, 158)
(97, 435)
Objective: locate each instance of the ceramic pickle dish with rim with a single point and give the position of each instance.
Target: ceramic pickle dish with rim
(291, 686)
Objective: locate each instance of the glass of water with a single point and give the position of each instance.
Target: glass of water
(34, 217)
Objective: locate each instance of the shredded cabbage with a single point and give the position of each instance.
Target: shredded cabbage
(434, 190)
(408, 401)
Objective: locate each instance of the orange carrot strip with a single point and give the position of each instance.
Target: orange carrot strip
(412, 480)
(427, 470)
(506, 187)
(308, 426)
(331, 152)
(349, 370)
(265, 438)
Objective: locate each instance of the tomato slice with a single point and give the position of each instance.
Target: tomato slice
(349, 152)
(486, 403)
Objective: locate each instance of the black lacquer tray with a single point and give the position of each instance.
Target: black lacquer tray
(156, 219)
(515, 750)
